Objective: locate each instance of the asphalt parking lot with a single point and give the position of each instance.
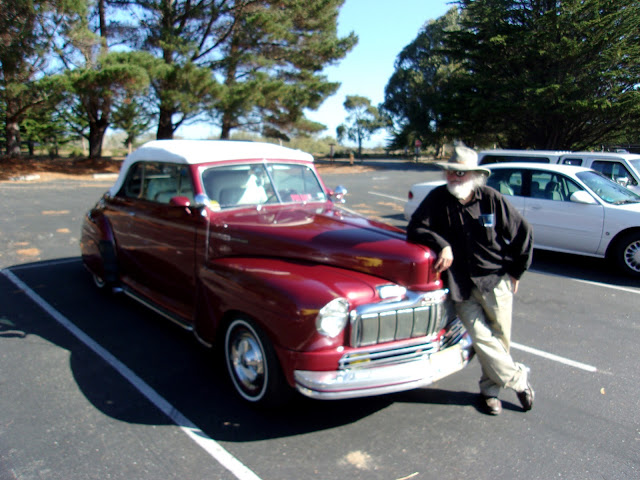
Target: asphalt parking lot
(95, 386)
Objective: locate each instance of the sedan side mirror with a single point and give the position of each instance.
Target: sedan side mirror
(582, 197)
(339, 194)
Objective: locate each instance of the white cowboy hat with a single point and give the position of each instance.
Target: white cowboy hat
(464, 159)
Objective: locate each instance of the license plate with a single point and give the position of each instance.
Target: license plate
(446, 362)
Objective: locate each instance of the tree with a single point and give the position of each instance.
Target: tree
(363, 120)
(545, 74)
(92, 92)
(28, 29)
(247, 63)
(272, 62)
(131, 116)
(413, 94)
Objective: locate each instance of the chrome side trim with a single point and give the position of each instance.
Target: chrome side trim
(158, 309)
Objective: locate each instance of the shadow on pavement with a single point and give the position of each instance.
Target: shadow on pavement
(168, 359)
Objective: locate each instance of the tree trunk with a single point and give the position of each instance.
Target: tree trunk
(13, 138)
(165, 125)
(96, 137)
(226, 127)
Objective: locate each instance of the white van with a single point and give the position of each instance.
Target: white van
(623, 168)
(486, 157)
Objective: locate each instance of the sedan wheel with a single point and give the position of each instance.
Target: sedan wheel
(252, 364)
(628, 253)
(98, 281)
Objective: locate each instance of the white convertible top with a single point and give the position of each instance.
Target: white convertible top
(194, 152)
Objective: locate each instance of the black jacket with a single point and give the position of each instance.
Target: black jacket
(482, 253)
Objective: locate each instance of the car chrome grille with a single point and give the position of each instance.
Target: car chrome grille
(419, 315)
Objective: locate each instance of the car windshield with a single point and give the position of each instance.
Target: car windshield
(635, 163)
(608, 190)
(259, 184)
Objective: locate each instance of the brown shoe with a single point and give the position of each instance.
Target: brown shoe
(492, 405)
(526, 397)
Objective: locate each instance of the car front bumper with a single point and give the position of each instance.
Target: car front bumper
(369, 375)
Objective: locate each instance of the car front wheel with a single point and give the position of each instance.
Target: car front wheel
(253, 365)
(627, 253)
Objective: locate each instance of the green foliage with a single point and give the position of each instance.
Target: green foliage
(93, 91)
(413, 95)
(27, 33)
(556, 75)
(272, 63)
(521, 74)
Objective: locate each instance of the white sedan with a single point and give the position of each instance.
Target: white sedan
(572, 209)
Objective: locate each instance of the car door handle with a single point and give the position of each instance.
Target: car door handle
(536, 206)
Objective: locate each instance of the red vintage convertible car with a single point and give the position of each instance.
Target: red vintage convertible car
(243, 244)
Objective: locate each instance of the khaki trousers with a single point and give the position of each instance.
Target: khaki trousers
(487, 318)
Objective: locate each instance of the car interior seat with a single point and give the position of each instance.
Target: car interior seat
(231, 195)
(536, 192)
(504, 188)
(552, 191)
(161, 189)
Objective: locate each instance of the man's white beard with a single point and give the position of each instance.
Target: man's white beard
(462, 191)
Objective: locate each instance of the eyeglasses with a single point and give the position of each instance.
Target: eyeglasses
(457, 173)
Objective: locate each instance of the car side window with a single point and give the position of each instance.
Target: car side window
(157, 182)
(613, 170)
(506, 181)
(572, 161)
(134, 183)
(552, 186)
(296, 183)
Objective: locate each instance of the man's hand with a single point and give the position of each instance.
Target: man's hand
(514, 284)
(444, 261)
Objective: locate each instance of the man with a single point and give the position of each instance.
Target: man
(483, 247)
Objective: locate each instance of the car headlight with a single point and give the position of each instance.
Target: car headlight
(332, 318)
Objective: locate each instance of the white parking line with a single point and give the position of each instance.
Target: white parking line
(213, 448)
(555, 358)
(614, 287)
(388, 196)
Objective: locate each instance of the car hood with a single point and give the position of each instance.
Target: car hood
(325, 234)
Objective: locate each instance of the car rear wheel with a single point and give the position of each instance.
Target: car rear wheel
(98, 281)
(627, 253)
(253, 365)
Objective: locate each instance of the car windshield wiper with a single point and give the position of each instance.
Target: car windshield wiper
(624, 202)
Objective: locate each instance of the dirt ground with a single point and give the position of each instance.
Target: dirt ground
(43, 169)
(46, 169)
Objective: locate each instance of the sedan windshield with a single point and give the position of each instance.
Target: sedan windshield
(259, 184)
(608, 190)
(635, 163)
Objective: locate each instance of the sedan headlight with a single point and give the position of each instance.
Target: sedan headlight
(332, 318)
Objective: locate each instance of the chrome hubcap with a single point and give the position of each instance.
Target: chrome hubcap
(99, 281)
(632, 256)
(247, 360)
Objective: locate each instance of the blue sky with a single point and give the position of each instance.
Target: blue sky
(384, 28)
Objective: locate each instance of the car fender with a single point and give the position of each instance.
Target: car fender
(283, 297)
(98, 247)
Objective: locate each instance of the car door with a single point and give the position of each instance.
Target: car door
(155, 239)
(559, 223)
